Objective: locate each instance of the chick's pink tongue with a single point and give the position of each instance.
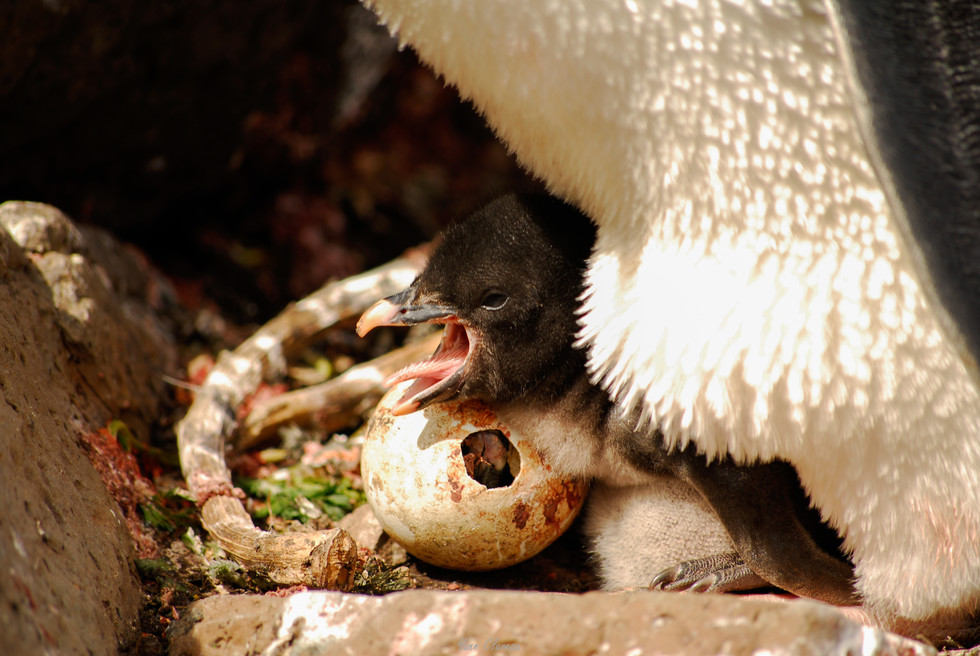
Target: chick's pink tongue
(448, 359)
(427, 374)
(431, 370)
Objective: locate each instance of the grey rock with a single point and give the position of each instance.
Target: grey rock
(364, 527)
(71, 360)
(481, 622)
(242, 624)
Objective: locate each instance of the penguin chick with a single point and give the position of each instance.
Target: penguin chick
(793, 187)
(506, 283)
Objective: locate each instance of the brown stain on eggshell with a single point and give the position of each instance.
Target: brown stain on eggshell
(574, 493)
(568, 493)
(456, 493)
(549, 508)
(476, 414)
(521, 514)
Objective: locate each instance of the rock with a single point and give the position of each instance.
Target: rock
(364, 527)
(438, 622)
(75, 353)
(367, 532)
(243, 624)
(40, 228)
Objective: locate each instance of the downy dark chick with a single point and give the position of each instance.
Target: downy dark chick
(506, 282)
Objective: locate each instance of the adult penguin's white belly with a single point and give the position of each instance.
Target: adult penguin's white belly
(765, 283)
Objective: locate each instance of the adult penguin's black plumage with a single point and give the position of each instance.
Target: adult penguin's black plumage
(790, 187)
(506, 282)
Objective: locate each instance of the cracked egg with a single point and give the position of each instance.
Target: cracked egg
(458, 489)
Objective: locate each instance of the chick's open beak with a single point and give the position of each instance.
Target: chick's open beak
(437, 377)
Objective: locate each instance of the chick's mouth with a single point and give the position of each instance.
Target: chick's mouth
(439, 376)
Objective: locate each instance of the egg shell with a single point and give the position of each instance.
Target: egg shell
(416, 483)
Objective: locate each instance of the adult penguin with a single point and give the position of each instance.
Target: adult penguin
(792, 188)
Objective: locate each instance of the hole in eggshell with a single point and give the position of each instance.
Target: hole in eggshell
(490, 459)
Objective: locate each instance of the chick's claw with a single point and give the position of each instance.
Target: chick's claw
(720, 573)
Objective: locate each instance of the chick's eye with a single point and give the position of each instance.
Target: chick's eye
(493, 301)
